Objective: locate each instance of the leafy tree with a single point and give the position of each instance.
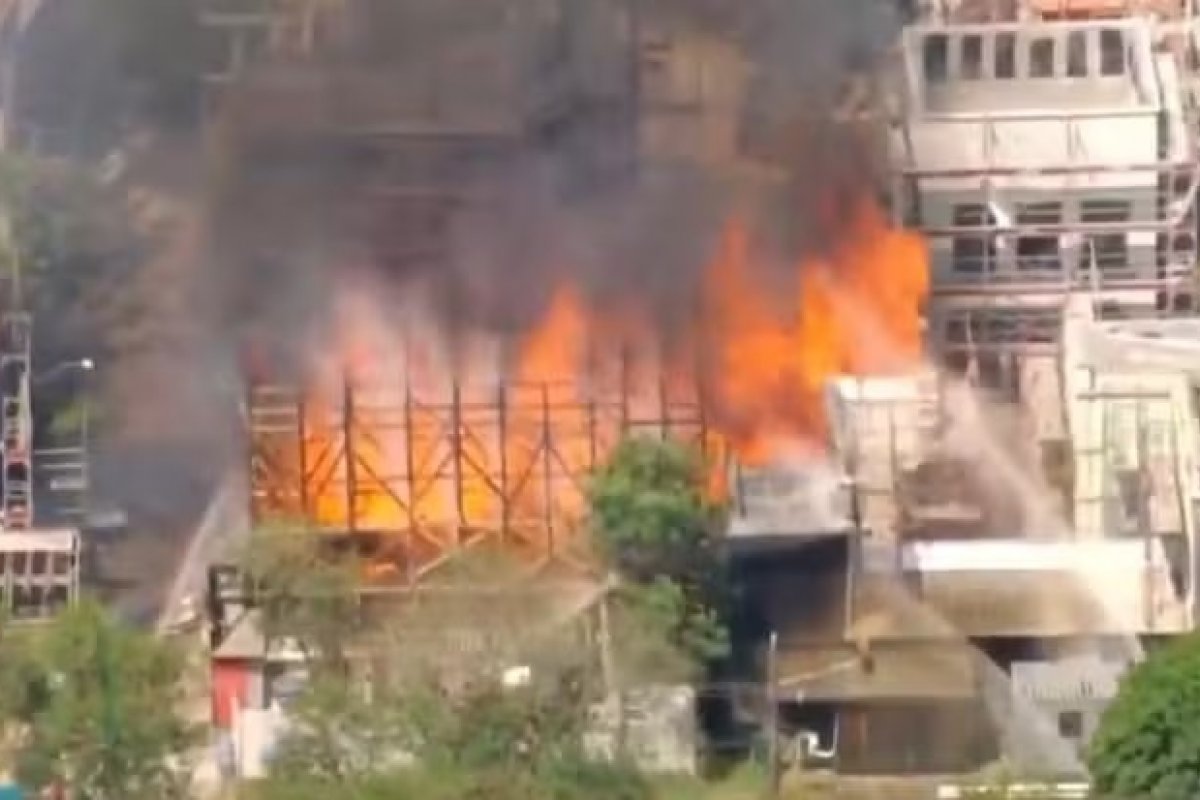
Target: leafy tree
(660, 634)
(1148, 743)
(98, 705)
(651, 515)
(653, 520)
(304, 592)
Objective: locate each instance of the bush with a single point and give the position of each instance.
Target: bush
(481, 743)
(1148, 742)
(99, 704)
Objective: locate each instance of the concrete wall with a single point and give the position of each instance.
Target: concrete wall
(881, 426)
(973, 139)
(1071, 692)
(990, 141)
(661, 731)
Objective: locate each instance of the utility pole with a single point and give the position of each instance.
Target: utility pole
(612, 683)
(773, 776)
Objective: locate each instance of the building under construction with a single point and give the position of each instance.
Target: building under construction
(989, 541)
(1020, 540)
(340, 145)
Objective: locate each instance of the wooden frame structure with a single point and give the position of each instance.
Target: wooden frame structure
(421, 475)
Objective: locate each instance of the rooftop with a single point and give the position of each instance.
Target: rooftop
(1064, 66)
(39, 540)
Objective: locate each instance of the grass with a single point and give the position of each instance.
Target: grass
(746, 781)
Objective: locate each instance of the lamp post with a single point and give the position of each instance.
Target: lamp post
(81, 364)
(71, 459)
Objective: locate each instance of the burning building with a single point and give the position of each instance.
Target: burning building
(911, 545)
(487, 418)
(1055, 187)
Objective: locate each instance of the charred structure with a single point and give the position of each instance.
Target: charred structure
(930, 561)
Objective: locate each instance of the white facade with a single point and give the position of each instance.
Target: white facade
(1041, 159)
(1120, 558)
(880, 426)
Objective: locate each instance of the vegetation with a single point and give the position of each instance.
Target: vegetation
(429, 722)
(95, 704)
(1148, 744)
(437, 722)
(305, 594)
(484, 741)
(653, 522)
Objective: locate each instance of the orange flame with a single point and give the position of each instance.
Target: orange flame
(858, 312)
(757, 366)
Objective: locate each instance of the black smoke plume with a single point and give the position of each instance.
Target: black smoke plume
(491, 151)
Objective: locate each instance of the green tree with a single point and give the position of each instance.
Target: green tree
(304, 592)
(1148, 742)
(97, 705)
(339, 733)
(654, 522)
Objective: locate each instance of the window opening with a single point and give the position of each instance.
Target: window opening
(1006, 55)
(971, 65)
(936, 49)
(1112, 52)
(1039, 252)
(1041, 58)
(1077, 54)
(1109, 250)
(972, 252)
(1070, 724)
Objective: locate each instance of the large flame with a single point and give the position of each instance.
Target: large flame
(450, 453)
(857, 311)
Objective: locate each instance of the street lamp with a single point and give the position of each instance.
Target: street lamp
(81, 364)
(70, 465)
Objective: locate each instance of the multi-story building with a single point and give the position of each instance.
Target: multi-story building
(1044, 159)
(1022, 545)
(1051, 165)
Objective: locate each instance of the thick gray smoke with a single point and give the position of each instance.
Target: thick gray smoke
(619, 186)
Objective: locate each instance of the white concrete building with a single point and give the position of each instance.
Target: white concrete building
(1042, 159)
